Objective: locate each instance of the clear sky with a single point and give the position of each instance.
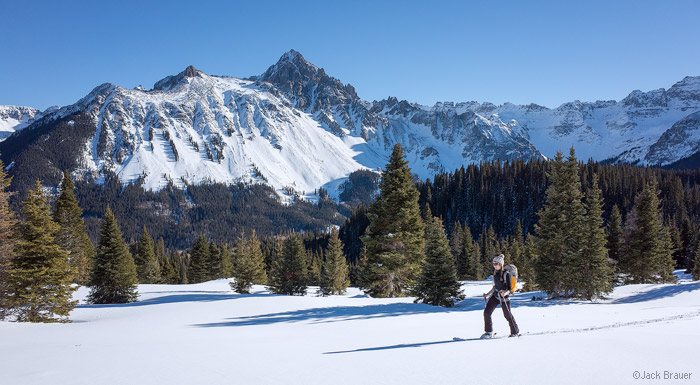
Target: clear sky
(545, 52)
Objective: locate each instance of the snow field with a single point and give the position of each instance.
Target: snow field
(205, 333)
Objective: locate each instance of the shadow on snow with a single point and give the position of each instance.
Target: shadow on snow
(186, 296)
(659, 292)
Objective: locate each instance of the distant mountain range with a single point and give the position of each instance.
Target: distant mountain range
(298, 129)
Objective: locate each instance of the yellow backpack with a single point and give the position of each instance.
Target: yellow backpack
(513, 271)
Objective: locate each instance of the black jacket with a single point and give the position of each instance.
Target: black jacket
(501, 284)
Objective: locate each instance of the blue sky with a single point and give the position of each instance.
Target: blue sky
(545, 52)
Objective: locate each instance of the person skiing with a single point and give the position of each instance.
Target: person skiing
(499, 294)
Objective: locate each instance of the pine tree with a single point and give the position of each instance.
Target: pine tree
(226, 261)
(647, 254)
(334, 272)
(72, 235)
(438, 285)
(695, 271)
(526, 271)
(686, 250)
(614, 241)
(472, 256)
(457, 250)
(147, 265)
(216, 268)
(395, 244)
(289, 274)
(39, 278)
(7, 236)
(199, 268)
(113, 278)
(315, 268)
(594, 270)
(489, 247)
(560, 230)
(516, 245)
(168, 274)
(249, 266)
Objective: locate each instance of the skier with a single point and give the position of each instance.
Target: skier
(499, 294)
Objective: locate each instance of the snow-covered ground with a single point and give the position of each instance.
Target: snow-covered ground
(207, 334)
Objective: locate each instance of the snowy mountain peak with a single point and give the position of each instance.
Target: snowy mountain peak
(297, 129)
(15, 118)
(171, 82)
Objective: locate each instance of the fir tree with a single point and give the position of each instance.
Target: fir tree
(168, 274)
(113, 278)
(39, 278)
(334, 272)
(614, 241)
(647, 254)
(695, 271)
(472, 257)
(526, 271)
(457, 250)
(226, 261)
(438, 285)
(489, 247)
(289, 274)
(315, 269)
(516, 245)
(249, 266)
(72, 235)
(395, 245)
(7, 236)
(199, 267)
(685, 255)
(216, 268)
(594, 270)
(560, 230)
(147, 265)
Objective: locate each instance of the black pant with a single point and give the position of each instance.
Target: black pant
(491, 306)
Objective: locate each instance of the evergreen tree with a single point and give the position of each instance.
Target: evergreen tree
(516, 245)
(695, 271)
(594, 270)
(147, 265)
(685, 255)
(249, 266)
(675, 241)
(614, 242)
(215, 263)
(489, 247)
(113, 278)
(334, 272)
(472, 256)
(647, 254)
(72, 235)
(560, 231)
(289, 274)
(7, 236)
(39, 278)
(395, 244)
(226, 261)
(438, 285)
(526, 271)
(315, 269)
(457, 249)
(168, 274)
(199, 267)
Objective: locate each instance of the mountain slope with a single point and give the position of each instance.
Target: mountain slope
(15, 118)
(296, 128)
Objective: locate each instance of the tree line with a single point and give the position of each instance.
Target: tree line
(404, 249)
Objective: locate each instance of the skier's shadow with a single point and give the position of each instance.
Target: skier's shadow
(401, 346)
